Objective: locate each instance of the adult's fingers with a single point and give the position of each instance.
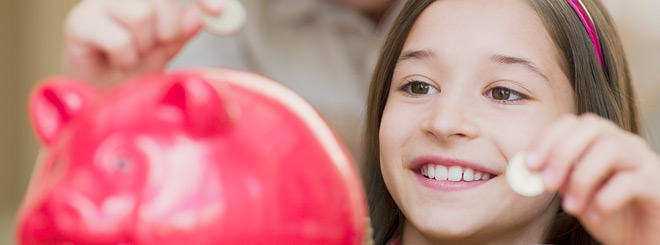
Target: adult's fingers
(190, 21)
(168, 25)
(136, 16)
(102, 38)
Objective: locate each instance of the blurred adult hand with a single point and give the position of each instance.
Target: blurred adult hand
(108, 40)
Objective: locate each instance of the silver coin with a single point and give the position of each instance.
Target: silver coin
(228, 22)
(522, 180)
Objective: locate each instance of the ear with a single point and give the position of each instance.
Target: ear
(54, 102)
(207, 109)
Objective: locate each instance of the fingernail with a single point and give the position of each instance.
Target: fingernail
(532, 160)
(215, 6)
(549, 179)
(570, 203)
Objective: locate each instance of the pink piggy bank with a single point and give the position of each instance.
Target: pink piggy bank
(195, 157)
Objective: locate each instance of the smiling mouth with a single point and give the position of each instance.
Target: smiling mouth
(453, 173)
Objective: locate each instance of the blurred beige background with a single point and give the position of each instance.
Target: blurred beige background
(30, 49)
(30, 41)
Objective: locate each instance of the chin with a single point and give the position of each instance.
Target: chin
(450, 229)
(461, 232)
(478, 226)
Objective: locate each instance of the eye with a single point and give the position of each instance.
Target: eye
(122, 164)
(418, 88)
(503, 94)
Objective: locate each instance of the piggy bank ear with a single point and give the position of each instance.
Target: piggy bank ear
(54, 102)
(206, 109)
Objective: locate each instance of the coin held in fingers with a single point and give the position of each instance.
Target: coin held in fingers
(228, 22)
(522, 180)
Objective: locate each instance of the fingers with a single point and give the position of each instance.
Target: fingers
(167, 20)
(582, 156)
(574, 155)
(592, 170)
(619, 191)
(152, 22)
(190, 21)
(606, 214)
(576, 141)
(157, 58)
(136, 17)
(631, 182)
(114, 36)
(100, 39)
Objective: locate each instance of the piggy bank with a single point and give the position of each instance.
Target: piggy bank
(188, 157)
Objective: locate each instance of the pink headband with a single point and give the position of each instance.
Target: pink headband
(589, 25)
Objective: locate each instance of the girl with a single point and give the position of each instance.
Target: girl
(462, 85)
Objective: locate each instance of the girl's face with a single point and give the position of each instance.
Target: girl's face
(475, 83)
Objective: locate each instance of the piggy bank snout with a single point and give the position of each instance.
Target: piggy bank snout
(68, 215)
(52, 221)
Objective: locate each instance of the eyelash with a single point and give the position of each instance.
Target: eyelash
(407, 88)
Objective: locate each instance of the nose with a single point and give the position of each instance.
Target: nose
(65, 215)
(452, 118)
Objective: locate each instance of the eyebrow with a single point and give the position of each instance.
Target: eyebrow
(510, 60)
(499, 58)
(417, 55)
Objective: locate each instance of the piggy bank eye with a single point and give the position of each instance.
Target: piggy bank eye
(119, 164)
(119, 156)
(122, 165)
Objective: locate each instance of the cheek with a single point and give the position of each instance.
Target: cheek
(517, 131)
(396, 128)
(387, 138)
(517, 134)
(386, 134)
(394, 133)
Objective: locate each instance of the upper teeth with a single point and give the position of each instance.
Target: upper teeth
(453, 173)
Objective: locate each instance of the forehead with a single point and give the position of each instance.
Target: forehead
(462, 29)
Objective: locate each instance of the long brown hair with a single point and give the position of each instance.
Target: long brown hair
(605, 91)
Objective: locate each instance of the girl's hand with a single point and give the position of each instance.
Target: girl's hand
(107, 40)
(609, 178)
